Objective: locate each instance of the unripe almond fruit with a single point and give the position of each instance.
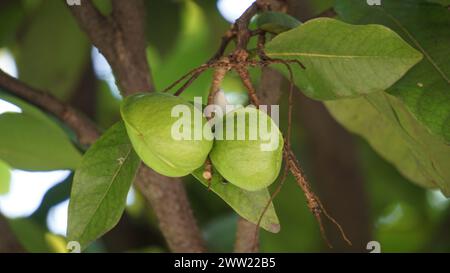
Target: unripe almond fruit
(148, 120)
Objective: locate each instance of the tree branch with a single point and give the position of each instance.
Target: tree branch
(121, 39)
(167, 197)
(169, 200)
(337, 174)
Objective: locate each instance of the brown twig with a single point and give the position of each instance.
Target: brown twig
(313, 201)
(292, 163)
(238, 60)
(243, 34)
(188, 83)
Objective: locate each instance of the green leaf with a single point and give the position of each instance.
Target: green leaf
(33, 141)
(101, 185)
(275, 22)
(396, 135)
(53, 50)
(248, 205)
(5, 177)
(30, 235)
(425, 88)
(343, 60)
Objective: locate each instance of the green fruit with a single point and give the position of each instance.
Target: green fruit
(245, 163)
(148, 120)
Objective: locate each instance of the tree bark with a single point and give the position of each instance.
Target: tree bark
(246, 239)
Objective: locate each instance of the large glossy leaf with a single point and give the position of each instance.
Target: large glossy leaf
(343, 60)
(53, 50)
(425, 89)
(32, 141)
(5, 177)
(248, 205)
(394, 133)
(101, 185)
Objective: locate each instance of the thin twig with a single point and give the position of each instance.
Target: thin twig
(244, 242)
(272, 197)
(185, 76)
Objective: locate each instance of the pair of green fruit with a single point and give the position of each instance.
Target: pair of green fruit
(148, 120)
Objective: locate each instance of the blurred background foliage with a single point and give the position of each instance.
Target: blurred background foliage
(46, 49)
